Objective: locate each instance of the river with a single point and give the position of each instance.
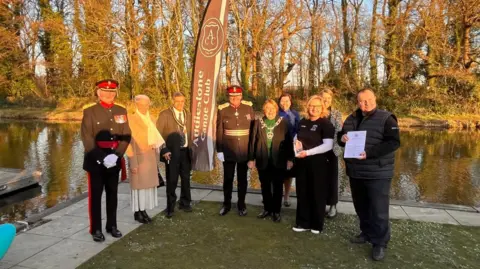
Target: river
(435, 166)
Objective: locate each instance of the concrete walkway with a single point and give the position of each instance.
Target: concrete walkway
(67, 232)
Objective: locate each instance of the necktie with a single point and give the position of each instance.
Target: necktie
(180, 117)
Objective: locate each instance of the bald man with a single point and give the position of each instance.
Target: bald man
(371, 174)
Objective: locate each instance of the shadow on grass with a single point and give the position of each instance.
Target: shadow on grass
(202, 239)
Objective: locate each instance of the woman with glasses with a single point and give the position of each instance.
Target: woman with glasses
(313, 141)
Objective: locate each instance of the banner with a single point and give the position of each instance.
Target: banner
(208, 58)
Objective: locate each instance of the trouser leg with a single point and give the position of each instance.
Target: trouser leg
(172, 171)
(242, 169)
(111, 191)
(95, 190)
(228, 174)
(185, 168)
(361, 203)
(379, 192)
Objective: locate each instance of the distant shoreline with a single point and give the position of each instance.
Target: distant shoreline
(455, 122)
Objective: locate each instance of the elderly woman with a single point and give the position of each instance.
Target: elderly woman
(335, 118)
(314, 139)
(143, 154)
(292, 118)
(271, 151)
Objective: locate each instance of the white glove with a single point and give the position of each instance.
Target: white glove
(221, 157)
(110, 161)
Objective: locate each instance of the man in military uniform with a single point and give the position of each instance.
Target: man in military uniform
(234, 123)
(105, 135)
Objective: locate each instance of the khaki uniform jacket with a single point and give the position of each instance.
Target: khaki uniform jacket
(141, 156)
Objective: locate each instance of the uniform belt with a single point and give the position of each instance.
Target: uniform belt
(242, 132)
(107, 144)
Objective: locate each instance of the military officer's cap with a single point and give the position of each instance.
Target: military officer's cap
(234, 90)
(107, 85)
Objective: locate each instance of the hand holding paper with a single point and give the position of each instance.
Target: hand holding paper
(355, 146)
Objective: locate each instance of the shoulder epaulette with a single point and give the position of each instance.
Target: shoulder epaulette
(88, 105)
(248, 103)
(222, 106)
(120, 105)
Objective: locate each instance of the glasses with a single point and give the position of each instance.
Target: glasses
(319, 106)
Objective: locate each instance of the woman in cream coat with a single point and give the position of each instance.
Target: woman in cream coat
(143, 154)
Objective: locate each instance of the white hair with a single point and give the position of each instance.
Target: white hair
(141, 97)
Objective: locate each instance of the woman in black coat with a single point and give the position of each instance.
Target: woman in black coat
(271, 151)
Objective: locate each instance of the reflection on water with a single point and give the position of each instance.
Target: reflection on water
(432, 166)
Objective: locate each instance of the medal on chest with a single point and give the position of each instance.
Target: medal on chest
(120, 118)
(236, 114)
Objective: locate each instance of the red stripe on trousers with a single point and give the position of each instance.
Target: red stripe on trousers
(89, 201)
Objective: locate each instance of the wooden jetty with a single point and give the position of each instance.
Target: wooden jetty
(16, 179)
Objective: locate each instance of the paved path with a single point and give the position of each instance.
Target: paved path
(67, 232)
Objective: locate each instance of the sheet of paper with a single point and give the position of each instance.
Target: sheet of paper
(355, 144)
(297, 146)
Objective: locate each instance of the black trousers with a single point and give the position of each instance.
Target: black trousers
(97, 181)
(311, 185)
(371, 198)
(272, 188)
(180, 167)
(332, 194)
(228, 175)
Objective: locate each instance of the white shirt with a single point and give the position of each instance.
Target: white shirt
(177, 115)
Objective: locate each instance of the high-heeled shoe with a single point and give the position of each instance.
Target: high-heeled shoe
(145, 216)
(139, 217)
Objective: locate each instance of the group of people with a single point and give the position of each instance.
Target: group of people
(279, 144)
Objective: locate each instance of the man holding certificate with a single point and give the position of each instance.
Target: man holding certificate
(370, 137)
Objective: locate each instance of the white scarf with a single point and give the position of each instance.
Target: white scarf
(155, 140)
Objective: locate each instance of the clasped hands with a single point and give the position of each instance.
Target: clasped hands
(110, 161)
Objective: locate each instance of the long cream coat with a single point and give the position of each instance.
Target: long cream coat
(141, 156)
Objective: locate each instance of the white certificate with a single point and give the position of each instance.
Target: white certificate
(355, 144)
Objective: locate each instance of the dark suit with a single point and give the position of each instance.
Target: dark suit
(104, 131)
(179, 165)
(271, 165)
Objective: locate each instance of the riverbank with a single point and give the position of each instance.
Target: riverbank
(437, 233)
(454, 122)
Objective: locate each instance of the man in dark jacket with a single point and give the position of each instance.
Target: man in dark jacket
(371, 174)
(174, 126)
(105, 135)
(234, 124)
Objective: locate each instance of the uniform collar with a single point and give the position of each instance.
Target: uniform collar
(105, 105)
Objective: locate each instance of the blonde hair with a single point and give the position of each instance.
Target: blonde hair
(324, 112)
(271, 102)
(327, 91)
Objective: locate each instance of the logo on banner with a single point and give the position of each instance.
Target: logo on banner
(212, 39)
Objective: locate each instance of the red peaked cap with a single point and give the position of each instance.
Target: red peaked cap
(107, 85)
(234, 90)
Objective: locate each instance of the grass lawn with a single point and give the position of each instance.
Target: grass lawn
(202, 239)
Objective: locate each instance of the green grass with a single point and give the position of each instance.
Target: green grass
(202, 239)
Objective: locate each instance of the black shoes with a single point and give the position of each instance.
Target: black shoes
(378, 253)
(276, 217)
(359, 239)
(138, 216)
(98, 236)
(264, 214)
(169, 213)
(224, 210)
(146, 216)
(114, 232)
(242, 212)
(186, 208)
